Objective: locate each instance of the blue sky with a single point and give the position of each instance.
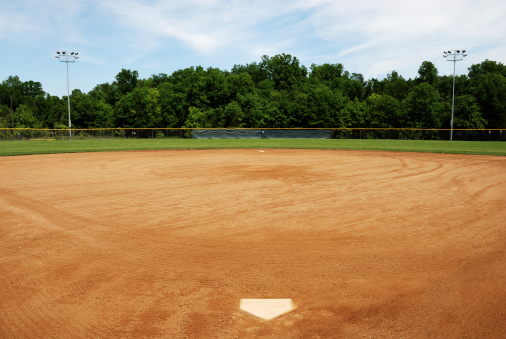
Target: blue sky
(372, 37)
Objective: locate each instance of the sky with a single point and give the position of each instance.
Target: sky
(371, 37)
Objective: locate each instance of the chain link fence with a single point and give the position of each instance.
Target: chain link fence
(25, 134)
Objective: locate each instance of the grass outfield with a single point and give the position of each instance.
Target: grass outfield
(9, 148)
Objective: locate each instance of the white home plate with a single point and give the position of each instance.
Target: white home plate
(267, 308)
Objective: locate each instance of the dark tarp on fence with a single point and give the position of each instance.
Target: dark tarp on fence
(226, 134)
(261, 133)
(296, 134)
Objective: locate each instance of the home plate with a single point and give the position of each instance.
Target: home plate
(267, 308)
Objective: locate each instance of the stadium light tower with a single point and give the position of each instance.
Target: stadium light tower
(454, 55)
(67, 57)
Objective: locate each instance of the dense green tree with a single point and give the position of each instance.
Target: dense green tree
(55, 111)
(172, 105)
(383, 111)
(326, 73)
(105, 92)
(284, 70)
(277, 108)
(158, 79)
(428, 73)
(206, 88)
(323, 107)
(445, 86)
(467, 113)
(396, 86)
(12, 95)
(354, 114)
(131, 109)
(233, 115)
(153, 108)
(373, 86)
(276, 92)
(5, 121)
(252, 106)
(487, 67)
(257, 72)
(198, 118)
(126, 81)
(25, 118)
(89, 112)
(238, 84)
(423, 107)
(353, 87)
(488, 86)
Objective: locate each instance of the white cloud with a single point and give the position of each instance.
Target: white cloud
(376, 33)
(204, 26)
(372, 37)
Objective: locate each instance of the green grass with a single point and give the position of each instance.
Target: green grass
(9, 148)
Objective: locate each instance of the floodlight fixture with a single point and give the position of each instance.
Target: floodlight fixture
(454, 56)
(68, 57)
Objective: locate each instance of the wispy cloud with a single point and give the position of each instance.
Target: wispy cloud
(373, 37)
(204, 26)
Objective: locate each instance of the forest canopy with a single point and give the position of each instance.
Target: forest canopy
(277, 92)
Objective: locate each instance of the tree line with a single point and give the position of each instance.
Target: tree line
(277, 92)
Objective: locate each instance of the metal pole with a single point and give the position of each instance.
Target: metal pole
(67, 57)
(455, 55)
(453, 101)
(68, 102)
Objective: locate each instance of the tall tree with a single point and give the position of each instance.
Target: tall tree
(89, 112)
(153, 108)
(284, 70)
(467, 113)
(396, 86)
(423, 107)
(24, 117)
(383, 111)
(428, 73)
(488, 86)
(13, 95)
(126, 81)
(130, 110)
(257, 72)
(490, 92)
(326, 73)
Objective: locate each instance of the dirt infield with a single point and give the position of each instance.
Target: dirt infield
(166, 243)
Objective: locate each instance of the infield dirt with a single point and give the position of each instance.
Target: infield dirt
(166, 243)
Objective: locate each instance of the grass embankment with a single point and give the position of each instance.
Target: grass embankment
(9, 148)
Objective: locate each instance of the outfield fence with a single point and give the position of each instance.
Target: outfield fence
(26, 134)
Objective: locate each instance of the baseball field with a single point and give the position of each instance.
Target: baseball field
(165, 243)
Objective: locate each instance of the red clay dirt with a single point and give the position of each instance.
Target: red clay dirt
(166, 243)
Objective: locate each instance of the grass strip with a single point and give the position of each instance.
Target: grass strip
(11, 148)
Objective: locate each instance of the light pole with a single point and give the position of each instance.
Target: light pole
(68, 57)
(454, 55)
